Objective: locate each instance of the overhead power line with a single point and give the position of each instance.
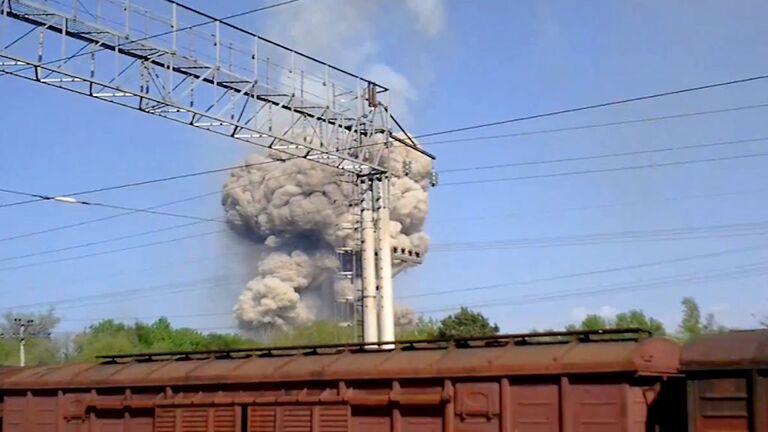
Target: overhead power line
(595, 106)
(98, 242)
(149, 318)
(605, 104)
(672, 199)
(666, 234)
(120, 238)
(750, 270)
(162, 289)
(707, 231)
(159, 289)
(39, 197)
(166, 204)
(111, 251)
(593, 125)
(148, 210)
(143, 182)
(68, 200)
(637, 266)
(100, 219)
(561, 210)
(604, 155)
(604, 170)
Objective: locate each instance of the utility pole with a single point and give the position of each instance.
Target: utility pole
(386, 309)
(370, 315)
(22, 329)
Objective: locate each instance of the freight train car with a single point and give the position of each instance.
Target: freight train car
(579, 381)
(727, 382)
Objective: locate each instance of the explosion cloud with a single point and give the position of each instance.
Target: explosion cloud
(298, 213)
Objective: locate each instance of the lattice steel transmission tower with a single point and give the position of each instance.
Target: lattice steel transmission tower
(172, 61)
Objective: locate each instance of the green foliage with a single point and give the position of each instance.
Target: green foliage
(637, 319)
(632, 319)
(465, 324)
(111, 337)
(40, 349)
(591, 322)
(692, 326)
(425, 328)
(315, 333)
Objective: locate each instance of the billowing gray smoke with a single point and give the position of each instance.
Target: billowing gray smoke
(298, 213)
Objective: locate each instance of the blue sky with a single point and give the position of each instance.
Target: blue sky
(485, 61)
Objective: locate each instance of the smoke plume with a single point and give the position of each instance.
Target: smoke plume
(298, 213)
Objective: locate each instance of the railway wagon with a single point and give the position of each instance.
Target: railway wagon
(546, 382)
(727, 382)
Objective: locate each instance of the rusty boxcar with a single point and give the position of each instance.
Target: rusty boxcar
(727, 382)
(579, 381)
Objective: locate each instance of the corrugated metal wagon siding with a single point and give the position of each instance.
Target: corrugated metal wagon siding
(726, 388)
(496, 386)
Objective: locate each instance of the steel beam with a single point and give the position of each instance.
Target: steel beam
(192, 68)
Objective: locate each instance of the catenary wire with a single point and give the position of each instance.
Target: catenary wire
(214, 192)
(533, 281)
(98, 242)
(39, 197)
(159, 289)
(100, 219)
(693, 233)
(560, 210)
(433, 222)
(737, 270)
(756, 269)
(674, 199)
(147, 182)
(593, 125)
(603, 156)
(187, 199)
(111, 206)
(450, 131)
(659, 233)
(462, 169)
(594, 106)
(120, 238)
(637, 266)
(96, 220)
(604, 170)
(112, 251)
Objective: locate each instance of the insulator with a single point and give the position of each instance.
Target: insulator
(433, 180)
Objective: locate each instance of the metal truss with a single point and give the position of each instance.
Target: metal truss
(189, 67)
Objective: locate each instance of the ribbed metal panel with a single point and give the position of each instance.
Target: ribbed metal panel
(295, 419)
(262, 419)
(223, 419)
(165, 420)
(333, 419)
(184, 419)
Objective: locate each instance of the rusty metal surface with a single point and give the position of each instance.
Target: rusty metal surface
(550, 337)
(647, 356)
(732, 350)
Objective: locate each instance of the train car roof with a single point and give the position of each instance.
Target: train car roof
(540, 354)
(745, 349)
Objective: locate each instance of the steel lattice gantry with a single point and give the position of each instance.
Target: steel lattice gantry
(181, 64)
(192, 68)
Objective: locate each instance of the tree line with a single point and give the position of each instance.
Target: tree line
(112, 337)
